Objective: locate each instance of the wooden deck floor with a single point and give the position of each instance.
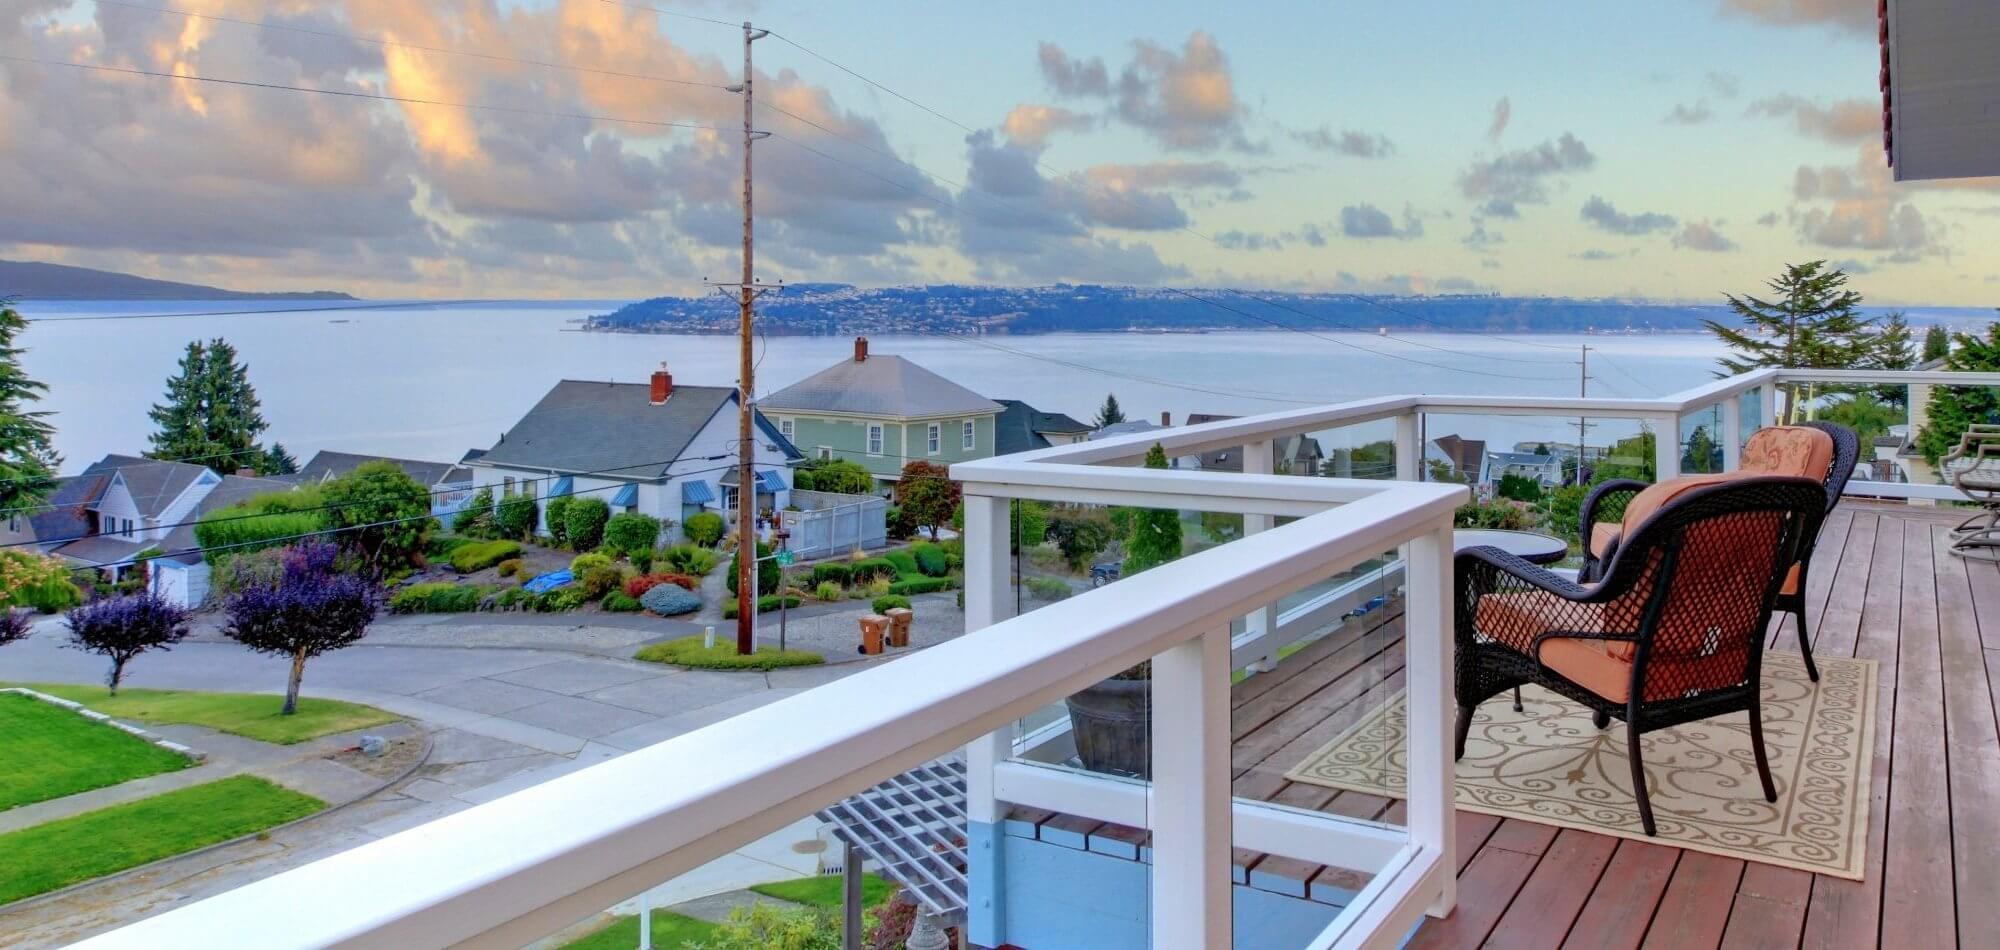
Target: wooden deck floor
(1882, 588)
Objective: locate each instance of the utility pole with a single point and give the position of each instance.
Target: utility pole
(746, 484)
(1582, 392)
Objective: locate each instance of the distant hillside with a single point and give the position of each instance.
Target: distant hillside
(952, 308)
(29, 280)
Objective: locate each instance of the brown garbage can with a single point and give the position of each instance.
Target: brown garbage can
(899, 625)
(873, 627)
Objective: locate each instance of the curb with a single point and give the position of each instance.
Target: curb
(93, 715)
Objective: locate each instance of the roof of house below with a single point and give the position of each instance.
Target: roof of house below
(614, 430)
(1021, 427)
(330, 464)
(885, 386)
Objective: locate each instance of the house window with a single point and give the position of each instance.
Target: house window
(967, 440)
(729, 498)
(874, 440)
(128, 528)
(826, 452)
(785, 428)
(507, 485)
(932, 439)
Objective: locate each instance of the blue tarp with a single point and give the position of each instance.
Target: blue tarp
(697, 493)
(563, 486)
(769, 481)
(548, 582)
(627, 497)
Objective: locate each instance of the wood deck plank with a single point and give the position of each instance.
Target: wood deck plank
(1546, 906)
(1972, 744)
(1694, 911)
(1917, 897)
(1620, 907)
(1770, 908)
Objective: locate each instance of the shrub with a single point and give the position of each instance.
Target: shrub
(841, 476)
(584, 563)
(920, 585)
(888, 602)
(1499, 514)
(931, 559)
(618, 602)
(514, 515)
(477, 515)
(437, 598)
(1080, 534)
(905, 562)
(669, 600)
(265, 521)
(438, 547)
(1047, 588)
(832, 572)
(765, 605)
(877, 586)
(512, 597)
(311, 609)
(899, 525)
(41, 582)
(585, 520)
(481, 555)
(689, 651)
(830, 592)
(598, 581)
(382, 513)
(560, 600)
(688, 559)
(555, 515)
(1519, 488)
(642, 560)
(509, 567)
(767, 571)
(638, 586)
(704, 529)
(630, 531)
(866, 570)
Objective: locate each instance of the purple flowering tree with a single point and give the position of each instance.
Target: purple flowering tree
(15, 625)
(124, 627)
(309, 609)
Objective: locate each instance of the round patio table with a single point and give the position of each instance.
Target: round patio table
(1526, 545)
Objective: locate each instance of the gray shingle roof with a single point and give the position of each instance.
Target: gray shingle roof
(100, 549)
(884, 386)
(1019, 427)
(154, 485)
(67, 514)
(329, 464)
(614, 428)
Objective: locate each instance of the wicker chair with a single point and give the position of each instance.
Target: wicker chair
(1606, 504)
(1672, 634)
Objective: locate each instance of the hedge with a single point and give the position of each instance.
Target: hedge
(481, 555)
(833, 571)
(888, 602)
(616, 602)
(906, 562)
(437, 598)
(868, 569)
(920, 585)
(704, 529)
(668, 600)
(263, 521)
(931, 559)
(765, 605)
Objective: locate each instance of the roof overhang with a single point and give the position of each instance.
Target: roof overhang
(1940, 82)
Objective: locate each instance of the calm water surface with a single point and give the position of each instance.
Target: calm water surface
(432, 382)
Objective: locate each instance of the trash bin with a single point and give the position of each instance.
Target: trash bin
(899, 625)
(873, 627)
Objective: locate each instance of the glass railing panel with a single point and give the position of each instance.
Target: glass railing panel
(1701, 441)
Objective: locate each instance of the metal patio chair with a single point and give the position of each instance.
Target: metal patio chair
(1673, 633)
(1974, 468)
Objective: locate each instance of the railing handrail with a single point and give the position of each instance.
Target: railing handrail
(517, 868)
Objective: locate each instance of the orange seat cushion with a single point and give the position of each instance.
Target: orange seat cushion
(1603, 535)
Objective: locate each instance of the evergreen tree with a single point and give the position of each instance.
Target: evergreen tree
(1953, 408)
(1109, 413)
(1894, 349)
(277, 461)
(1813, 321)
(1937, 343)
(211, 410)
(28, 459)
(1155, 535)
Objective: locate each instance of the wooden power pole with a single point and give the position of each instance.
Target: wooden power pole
(746, 452)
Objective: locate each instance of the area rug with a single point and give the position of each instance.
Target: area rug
(1549, 764)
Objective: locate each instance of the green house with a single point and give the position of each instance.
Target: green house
(884, 412)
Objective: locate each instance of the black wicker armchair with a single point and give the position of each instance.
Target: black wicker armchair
(1605, 506)
(1673, 632)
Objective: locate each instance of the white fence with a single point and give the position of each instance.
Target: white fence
(832, 524)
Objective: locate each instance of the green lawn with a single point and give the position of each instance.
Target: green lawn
(670, 930)
(824, 890)
(47, 752)
(63, 852)
(250, 715)
(689, 652)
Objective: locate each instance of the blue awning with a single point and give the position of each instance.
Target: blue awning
(627, 497)
(769, 481)
(562, 486)
(697, 493)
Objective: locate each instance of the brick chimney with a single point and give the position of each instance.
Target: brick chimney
(1166, 419)
(663, 385)
(861, 349)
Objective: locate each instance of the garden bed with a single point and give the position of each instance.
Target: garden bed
(689, 652)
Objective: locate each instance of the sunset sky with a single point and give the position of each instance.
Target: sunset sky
(1669, 150)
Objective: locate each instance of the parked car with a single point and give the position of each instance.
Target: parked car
(1104, 572)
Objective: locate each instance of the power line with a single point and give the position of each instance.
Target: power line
(810, 52)
(671, 13)
(1393, 356)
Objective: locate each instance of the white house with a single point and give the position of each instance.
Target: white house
(656, 448)
(182, 574)
(1545, 469)
(118, 507)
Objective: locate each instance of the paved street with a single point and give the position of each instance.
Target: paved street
(500, 719)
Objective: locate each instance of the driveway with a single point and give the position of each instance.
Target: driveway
(500, 718)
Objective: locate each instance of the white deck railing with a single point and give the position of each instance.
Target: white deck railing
(518, 868)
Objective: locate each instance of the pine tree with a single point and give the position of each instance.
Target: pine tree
(1109, 414)
(211, 410)
(277, 461)
(1894, 349)
(1155, 535)
(1814, 321)
(1953, 408)
(1937, 343)
(28, 459)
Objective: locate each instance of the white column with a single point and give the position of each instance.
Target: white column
(1767, 397)
(1731, 411)
(1190, 795)
(1427, 619)
(1666, 447)
(1409, 451)
(989, 599)
(1260, 458)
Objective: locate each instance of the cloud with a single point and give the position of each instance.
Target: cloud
(1601, 213)
(1520, 176)
(1017, 224)
(1503, 113)
(1860, 208)
(1595, 254)
(1249, 241)
(1031, 124)
(1479, 238)
(1072, 77)
(1367, 221)
(1312, 235)
(1843, 122)
(1345, 142)
(1725, 85)
(1841, 14)
(1768, 219)
(1702, 236)
(1168, 174)
(1184, 99)
(1684, 114)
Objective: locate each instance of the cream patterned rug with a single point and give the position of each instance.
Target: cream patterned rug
(1549, 764)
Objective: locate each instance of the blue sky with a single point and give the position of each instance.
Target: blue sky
(1668, 150)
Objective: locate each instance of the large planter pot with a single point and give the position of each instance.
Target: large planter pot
(1111, 723)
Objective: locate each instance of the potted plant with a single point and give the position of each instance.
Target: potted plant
(1111, 722)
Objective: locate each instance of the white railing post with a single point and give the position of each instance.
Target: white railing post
(1666, 447)
(989, 599)
(1767, 402)
(1731, 411)
(1409, 453)
(1427, 620)
(1190, 794)
(1261, 458)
